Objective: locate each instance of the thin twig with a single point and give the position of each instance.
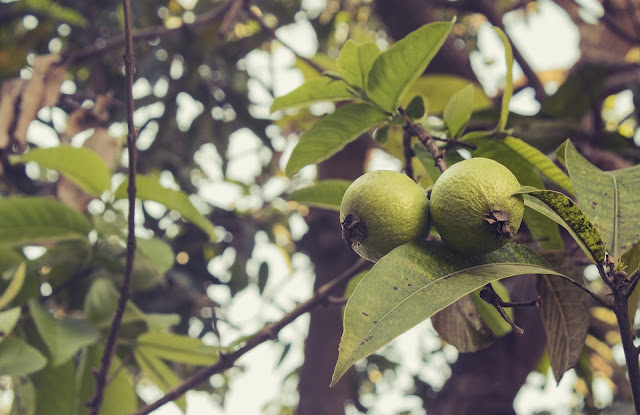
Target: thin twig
(231, 17)
(268, 332)
(125, 291)
(407, 152)
(490, 296)
(470, 146)
(426, 139)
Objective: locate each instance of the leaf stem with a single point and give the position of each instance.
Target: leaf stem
(426, 139)
(621, 310)
(408, 153)
(490, 296)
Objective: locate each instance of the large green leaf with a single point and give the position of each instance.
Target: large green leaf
(14, 286)
(563, 211)
(160, 374)
(177, 348)
(119, 395)
(458, 111)
(55, 389)
(355, 61)
(325, 194)
(38, 219)
(608, 198)
(314, 90)
(413, 282)
(82, 166)
(508, 89)
(8, 320)
(63, 337)
(149, 188)
(17, 358)
(332, 133)
(396, 69)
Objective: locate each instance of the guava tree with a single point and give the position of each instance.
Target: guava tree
(121, 263)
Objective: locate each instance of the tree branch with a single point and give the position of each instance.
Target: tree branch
(426, 139)
(268, 332)
(125, 291)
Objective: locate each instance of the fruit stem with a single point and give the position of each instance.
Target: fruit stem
(501, 219)
(490, 296)
(353, 230)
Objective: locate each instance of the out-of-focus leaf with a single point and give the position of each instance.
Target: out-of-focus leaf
(24, 396)
(575, 96)
(82, 166)
(458, 111)
(55, 389)
(177, 348)
(508, 89)
(324, 193)
(149, 188)
(17, 358)
(14, 286)
(63, 337)
(461, 325)
(160, 374)
(394, 70)
(8, 320)
(37, 219)
(263, 276)
(332, 133)
(101, 301)
(158, 252)
(314, 90)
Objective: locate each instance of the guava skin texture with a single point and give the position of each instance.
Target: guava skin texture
(473, 207)
(382, 210)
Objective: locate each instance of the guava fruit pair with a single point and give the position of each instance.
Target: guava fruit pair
(472, 206)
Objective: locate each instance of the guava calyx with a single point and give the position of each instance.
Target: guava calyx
(353, 230)
(501, 219)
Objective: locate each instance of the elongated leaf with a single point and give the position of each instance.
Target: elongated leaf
(82, 166)
(458, 111)
(160, 374)
(14, 286)
(55, 389)
(608, 198)
(314, 90)
(508, 89)
(332, 133)
(119, 396)
(563, 211)
(325, 194)
(355, 61)
(24, 396)
(101, 302)
(8, 320)
(413, 282)
(148, 188)
(396, 69)
(38, 219)
(177, 348)
(17, 358)
(63, 337)
(540, 162)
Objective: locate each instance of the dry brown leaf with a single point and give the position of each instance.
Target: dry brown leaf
(9, 94)
(85, 118)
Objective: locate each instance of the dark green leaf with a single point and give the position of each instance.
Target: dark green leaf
(149, 188)
(543, 230)
(462, 326)
(55, 389)
(177, 348)
(413, 282)
(63, 337)
(17, 358)
(325, 194)
(608, 198)
(314, 90)
(82, 166)
(160, 374)
(355, 61)
(8, 320)
(332, 133)
(263, 276)
(396, 69)
(37, 219)
(508, 89)
(564, 212)
(458, 111)
(381, 135)
(14, 286)
(416, 109)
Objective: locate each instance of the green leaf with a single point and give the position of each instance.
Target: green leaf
(437, 91)
(396, 69)
(63, 337)
(355, 61)
(458, 111)
(332, 133)
(324, 193)
(314, 90)
(158, 252)
(540, 162)
(177, 348)
(17, 280)
(55, 389)
(416, 109)
(17, 358)
(508, 89)
(608, 198)
(24, 396)
(413, 282)
(82, 166)
(381, 135)
(543, 230)
(564, 212)
(37, 219)
(263, 276)
(631, 261)
(101, 301)
(461, 325)
(160, 374)
(119, 395)
(149, 188)
(55, 11)
(8, 320)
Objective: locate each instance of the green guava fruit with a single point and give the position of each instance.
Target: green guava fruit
(473, 207)
(382, 210)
